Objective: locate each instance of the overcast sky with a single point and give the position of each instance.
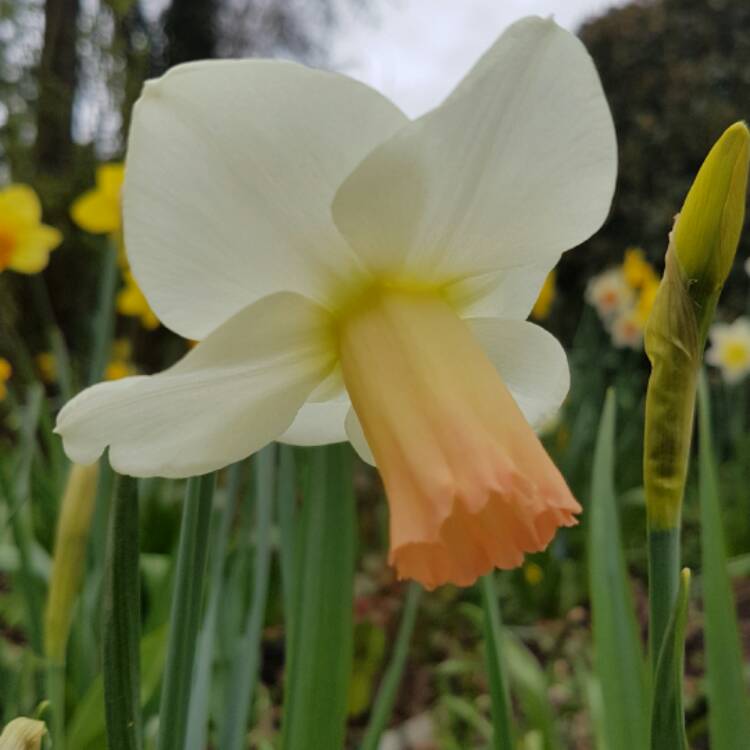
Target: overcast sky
(415, 51)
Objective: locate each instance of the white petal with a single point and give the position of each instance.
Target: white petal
(516, 166)
(318, 423)
(508, 294)
(357, 437)
(231, 170)
(237, 390)
(531, 362)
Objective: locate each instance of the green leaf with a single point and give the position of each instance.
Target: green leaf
(315, 706)
(186, 612)
(200, 695)
(729, 708)
(493, 634)
(529, 684)
(247, 657)
(87, 730)
(618, 654)
(667, 714)
(386, 696)
(121, 607)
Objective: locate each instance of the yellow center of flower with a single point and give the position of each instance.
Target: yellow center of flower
(736, 354)
(469, 485)
(8, 242)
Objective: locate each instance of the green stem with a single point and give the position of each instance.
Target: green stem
(320, 658)
(104, 321)
(121, 627)
(493, 633)
(386, 697)
(663, 584)
(185, 614)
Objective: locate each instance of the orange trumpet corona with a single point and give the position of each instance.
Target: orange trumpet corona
(469, 485)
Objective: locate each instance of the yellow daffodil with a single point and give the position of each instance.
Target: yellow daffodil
(5, 372)
(25, 243)
(354, 274)
(638, 272)
(610, 293)
(546, 297)
(118, 369)
(120, 365)
(132, 302)
(533, 574)
(98, 210)
(46, 364)
(646, 299)
(730, 349)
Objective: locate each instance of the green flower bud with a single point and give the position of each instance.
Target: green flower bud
(701, 251)
(73, 528)
(708, 227)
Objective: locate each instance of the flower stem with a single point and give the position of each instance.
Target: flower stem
(493, 633)
(320, 658)
(663, 584)
(121, 625)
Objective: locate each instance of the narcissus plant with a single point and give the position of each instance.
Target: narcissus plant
(25, 243)
(352, 274)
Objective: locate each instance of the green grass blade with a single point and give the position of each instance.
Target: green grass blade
(16, 493)
(121, 626)
(87, 730)
(618, 654)
(201, 690)
(247, 662)
(729, 708)
(530, 685)
(502, 738)
(386, 696)
(287, 513)
(321, 658)
(186, 612)
(667, 714)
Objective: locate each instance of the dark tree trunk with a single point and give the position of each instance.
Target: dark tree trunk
(190, 29)
(57, 85)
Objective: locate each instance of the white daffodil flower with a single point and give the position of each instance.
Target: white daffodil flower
(352, 274)
(730, 349)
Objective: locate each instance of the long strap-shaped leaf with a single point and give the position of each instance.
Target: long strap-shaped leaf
(186, 612)
(667, 713)
(729, 709)
(386, 697)
(618, 653)
(320, 666)
(247, 661)
(121, 606)
(200, 694)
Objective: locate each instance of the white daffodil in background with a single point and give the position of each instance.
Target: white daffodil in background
(610, 293)
(354, 274)
(730, 349)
